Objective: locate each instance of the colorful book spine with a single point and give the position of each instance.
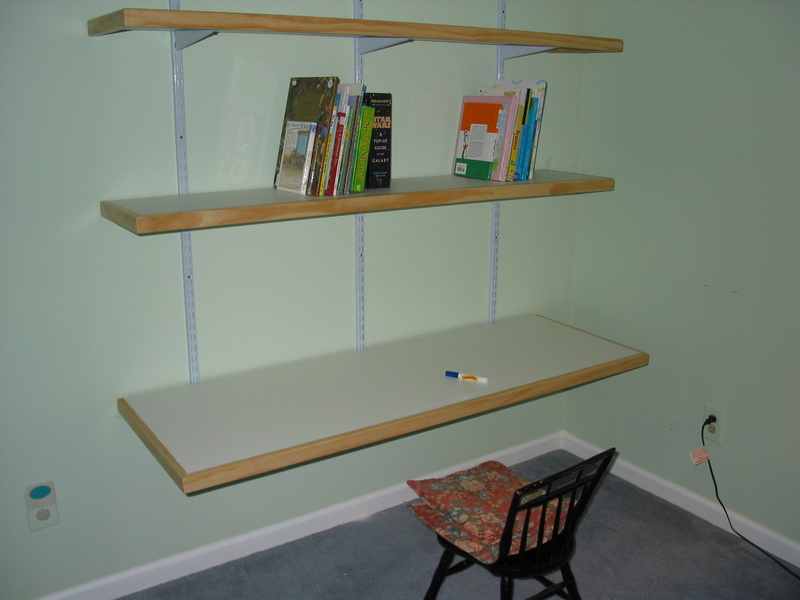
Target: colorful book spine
(525, 134)
(336, 154)
(532, 94)
(526, 142)
(515, 153)
(351, 133)
(379, 164)
(361, 153)
(540, 93)
(322, 184)
(515, 145)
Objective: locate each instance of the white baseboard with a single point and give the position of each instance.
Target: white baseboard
(186, 563)
(769, 540)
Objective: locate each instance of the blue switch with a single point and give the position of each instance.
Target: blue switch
(40, 492)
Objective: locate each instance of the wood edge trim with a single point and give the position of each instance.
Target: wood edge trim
(317, 449)
(119, 215)
(135, 18)
(112, 22)
(151, 441)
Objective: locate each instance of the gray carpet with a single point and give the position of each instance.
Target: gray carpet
(631, 546)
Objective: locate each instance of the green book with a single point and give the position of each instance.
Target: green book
(361, 155)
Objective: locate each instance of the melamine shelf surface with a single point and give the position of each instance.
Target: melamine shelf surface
(231, 428)
(217, 209)
(128, 19)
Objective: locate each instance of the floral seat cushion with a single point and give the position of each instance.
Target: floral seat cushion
(470, 508)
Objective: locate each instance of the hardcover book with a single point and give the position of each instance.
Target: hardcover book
(297, 151)
(485, 135)
(310, 100)
(379, 163)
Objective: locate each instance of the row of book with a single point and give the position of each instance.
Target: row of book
(336, 138)
(498, 133)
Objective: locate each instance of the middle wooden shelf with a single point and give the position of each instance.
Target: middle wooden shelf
(219, 209)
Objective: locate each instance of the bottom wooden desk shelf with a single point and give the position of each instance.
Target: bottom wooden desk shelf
(239, 426)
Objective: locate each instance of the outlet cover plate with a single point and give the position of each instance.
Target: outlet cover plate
(40, 500)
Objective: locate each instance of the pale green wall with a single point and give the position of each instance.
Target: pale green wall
(693, 258)
(696, 257)
(89, 312)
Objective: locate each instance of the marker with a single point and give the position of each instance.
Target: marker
(466, 377)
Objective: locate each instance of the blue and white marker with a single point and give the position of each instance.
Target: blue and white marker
(465, 377)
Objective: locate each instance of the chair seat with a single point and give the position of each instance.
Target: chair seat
(489, 515)
(448, 529)
(470, 508)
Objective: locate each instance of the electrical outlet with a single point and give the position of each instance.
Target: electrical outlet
(713, 431)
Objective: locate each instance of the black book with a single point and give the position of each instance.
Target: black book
(379, 167)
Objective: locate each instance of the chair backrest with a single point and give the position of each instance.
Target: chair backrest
(544, 515)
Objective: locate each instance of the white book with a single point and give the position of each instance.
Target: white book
(295, 164)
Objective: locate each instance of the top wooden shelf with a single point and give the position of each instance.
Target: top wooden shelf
(128, 19)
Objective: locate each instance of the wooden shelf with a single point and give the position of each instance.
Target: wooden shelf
(128, 19)
(231, 428)
(217, 209)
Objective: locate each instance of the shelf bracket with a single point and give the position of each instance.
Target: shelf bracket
(188, 37)
(504, 52)
(365, 45)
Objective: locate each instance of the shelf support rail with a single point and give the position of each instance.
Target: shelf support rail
(181, 157)
(362, 46)
(501, 49)
(494, 238)
(358, 65)
(360, 286)
(493, 261)
(504, 52)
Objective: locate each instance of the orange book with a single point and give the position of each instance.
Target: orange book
(485, 135)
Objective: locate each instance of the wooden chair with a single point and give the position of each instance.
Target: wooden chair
(489, 515)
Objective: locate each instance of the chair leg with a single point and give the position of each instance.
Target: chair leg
(506, 588)
(569, 581)
(440, 574)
